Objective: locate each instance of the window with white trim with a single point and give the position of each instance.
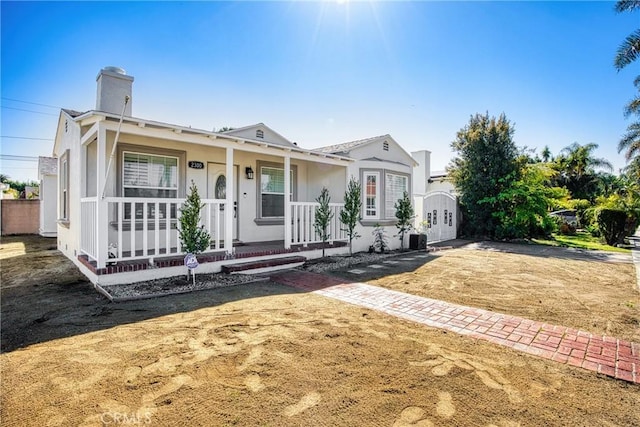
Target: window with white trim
(64, 187)
(272, 191)
(260, 134)
(149, 176)
(395, 186)
(371, 195)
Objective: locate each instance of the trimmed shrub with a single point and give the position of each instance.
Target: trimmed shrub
(611, 223)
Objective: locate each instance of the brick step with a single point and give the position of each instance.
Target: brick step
(264, 265)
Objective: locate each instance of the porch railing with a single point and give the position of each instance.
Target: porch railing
(88, 235)
(303, 216)
(145, 227)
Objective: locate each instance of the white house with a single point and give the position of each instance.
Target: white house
(122, 180)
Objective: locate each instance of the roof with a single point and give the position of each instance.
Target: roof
(236, 131)
(73, 113)
(47, 166)
(145, 123)
(439, 174)
(348, 146)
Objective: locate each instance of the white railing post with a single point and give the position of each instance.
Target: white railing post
(228, 212)
(287, 202)
(102, 212)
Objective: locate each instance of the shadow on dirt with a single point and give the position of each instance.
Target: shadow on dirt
(33, 314)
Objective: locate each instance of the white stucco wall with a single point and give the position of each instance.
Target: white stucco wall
(68, 235)
(48, 205)
(440, 184)
(365, 229)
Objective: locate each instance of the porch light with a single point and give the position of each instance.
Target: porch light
(249, 172)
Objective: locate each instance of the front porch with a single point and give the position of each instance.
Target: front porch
(129, 207)
(144, 232)
(148, 268)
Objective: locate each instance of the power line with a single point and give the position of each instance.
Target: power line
(19, 168)
(29, 111)
(18, 158)
(26, 137)
(32, 103)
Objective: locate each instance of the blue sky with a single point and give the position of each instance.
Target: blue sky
(322, 73)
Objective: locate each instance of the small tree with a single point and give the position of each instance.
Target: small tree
(194, 239)
(379, 239)
(404, 213)
(323, 217)
(350, 213)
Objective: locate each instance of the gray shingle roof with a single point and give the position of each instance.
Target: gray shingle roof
(348, 146)
(73, 113)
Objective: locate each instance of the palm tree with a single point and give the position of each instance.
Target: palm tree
(577, 169)
(546, 154)
(629, 50)
(631, 139)
(580, 161)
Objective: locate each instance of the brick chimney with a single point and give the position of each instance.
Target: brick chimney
(113, 85)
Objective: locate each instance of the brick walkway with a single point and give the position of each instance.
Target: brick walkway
(606, 355)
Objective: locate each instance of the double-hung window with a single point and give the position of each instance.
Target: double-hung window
(381, 190)
(371, 195)
(395, 186)
(64, 187)
(149, 176)
(272, 191)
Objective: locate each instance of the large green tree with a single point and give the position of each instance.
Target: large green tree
(525, 204)
(486, 164)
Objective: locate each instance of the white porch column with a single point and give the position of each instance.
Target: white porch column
(287, 202)
(228, 212)
(102, 220)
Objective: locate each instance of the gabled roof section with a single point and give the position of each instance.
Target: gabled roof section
(268, 134)
(65, 114)
(345, 147)
(73, 113)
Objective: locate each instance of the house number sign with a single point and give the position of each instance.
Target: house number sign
(196, 165)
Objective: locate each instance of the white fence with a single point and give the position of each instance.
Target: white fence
(144, 227)
(303, 216)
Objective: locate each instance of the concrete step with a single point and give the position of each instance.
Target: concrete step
(264, 265)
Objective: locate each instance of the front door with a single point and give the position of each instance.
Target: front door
(217, 189)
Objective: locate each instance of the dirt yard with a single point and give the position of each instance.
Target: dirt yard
(265, 354)
(555, 285)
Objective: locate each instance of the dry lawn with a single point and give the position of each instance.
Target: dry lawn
(264, 354)
(553, 285)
